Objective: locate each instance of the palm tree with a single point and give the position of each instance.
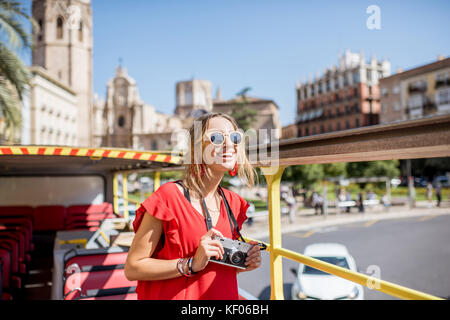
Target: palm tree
(14, 75)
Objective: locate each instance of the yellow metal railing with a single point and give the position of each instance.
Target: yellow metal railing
(126, 199)
(277, 253)
(362, 279)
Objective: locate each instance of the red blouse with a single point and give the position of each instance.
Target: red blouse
(183, 227)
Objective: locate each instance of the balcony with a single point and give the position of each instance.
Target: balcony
(442, 83)
(417, 88)
(429, 108)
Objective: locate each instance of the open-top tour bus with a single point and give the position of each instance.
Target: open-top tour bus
(64, 236)
(63, 231)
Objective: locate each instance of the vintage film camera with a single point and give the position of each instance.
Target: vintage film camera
(235, 253)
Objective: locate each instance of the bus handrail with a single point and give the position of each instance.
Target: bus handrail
(357, 277)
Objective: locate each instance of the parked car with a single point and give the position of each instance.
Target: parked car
(443, 180)
(420, 181)
(313, 284)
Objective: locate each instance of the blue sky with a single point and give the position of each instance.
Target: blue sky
(265, 45)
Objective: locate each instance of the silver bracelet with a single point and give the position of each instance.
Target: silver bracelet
(191, 272)
(180, 263)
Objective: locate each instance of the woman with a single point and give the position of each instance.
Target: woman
(172, 248)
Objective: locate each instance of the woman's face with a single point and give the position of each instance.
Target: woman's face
(220, 158)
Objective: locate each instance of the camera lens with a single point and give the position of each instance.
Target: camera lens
(237, 257)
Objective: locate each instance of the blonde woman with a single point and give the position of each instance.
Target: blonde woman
(176, 227)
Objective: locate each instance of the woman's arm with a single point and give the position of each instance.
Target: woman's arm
(139, 265)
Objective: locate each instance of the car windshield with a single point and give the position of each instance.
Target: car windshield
(339, 261)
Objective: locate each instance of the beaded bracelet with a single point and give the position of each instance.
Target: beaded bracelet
(181, 266)
(191, 272)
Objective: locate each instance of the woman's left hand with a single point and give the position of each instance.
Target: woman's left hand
(253, 259)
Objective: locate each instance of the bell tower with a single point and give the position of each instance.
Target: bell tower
(63, 46)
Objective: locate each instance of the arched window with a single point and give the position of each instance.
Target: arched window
(80, 32)
(41, 30)
(121, 121)
(59, 28)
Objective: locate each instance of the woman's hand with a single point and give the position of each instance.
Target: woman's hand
(253, 260)
(207, 248)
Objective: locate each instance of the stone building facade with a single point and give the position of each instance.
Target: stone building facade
(125, 121)
(344, 97)
(267, 116)
(50, 114)
(416, 93)
(63, 47)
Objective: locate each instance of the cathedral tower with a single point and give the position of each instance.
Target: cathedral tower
(63, 46)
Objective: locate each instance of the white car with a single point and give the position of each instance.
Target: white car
(313, 284)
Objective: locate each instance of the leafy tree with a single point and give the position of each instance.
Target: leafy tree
(387, 168)
(14, 75)
(305, 175)
(241, 112)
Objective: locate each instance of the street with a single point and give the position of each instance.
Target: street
(412, 252)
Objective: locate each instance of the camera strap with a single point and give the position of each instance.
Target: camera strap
(231, 218)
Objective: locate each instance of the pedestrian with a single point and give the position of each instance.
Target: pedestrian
(317, 202)
(348, 198)
(438, 194)
(360, 202)
(385, 201)
(342, 198)
(429, 193)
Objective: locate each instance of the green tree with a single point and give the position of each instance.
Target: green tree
(14, 75)
(305, 175)
(241, 112)
(385, 168)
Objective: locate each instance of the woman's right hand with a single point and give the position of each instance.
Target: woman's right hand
(207, 248)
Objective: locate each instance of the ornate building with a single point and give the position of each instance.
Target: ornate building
(62, 109)
(193, 95)
(63, 48)
(266, 114)
(125, 121)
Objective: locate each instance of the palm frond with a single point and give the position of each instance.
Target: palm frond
(14, 7)
(17, 36)
(13, 69)
(10, 113)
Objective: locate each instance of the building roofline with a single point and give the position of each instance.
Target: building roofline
(433, 66)
(44, 74)
(252, 100)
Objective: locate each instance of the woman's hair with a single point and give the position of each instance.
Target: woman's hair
(194, 170)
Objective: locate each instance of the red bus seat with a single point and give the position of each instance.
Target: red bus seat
(88, 216)
(24, 211)
(11, 246)
(107, 279)
(25, 223)
(5, 260)
(123, 293)
(20, 238)
(49, 218)
(109, 259)
(20, 228)
(105, 207)
(130, 296)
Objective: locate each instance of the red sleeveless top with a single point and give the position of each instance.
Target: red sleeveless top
(183, 227)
